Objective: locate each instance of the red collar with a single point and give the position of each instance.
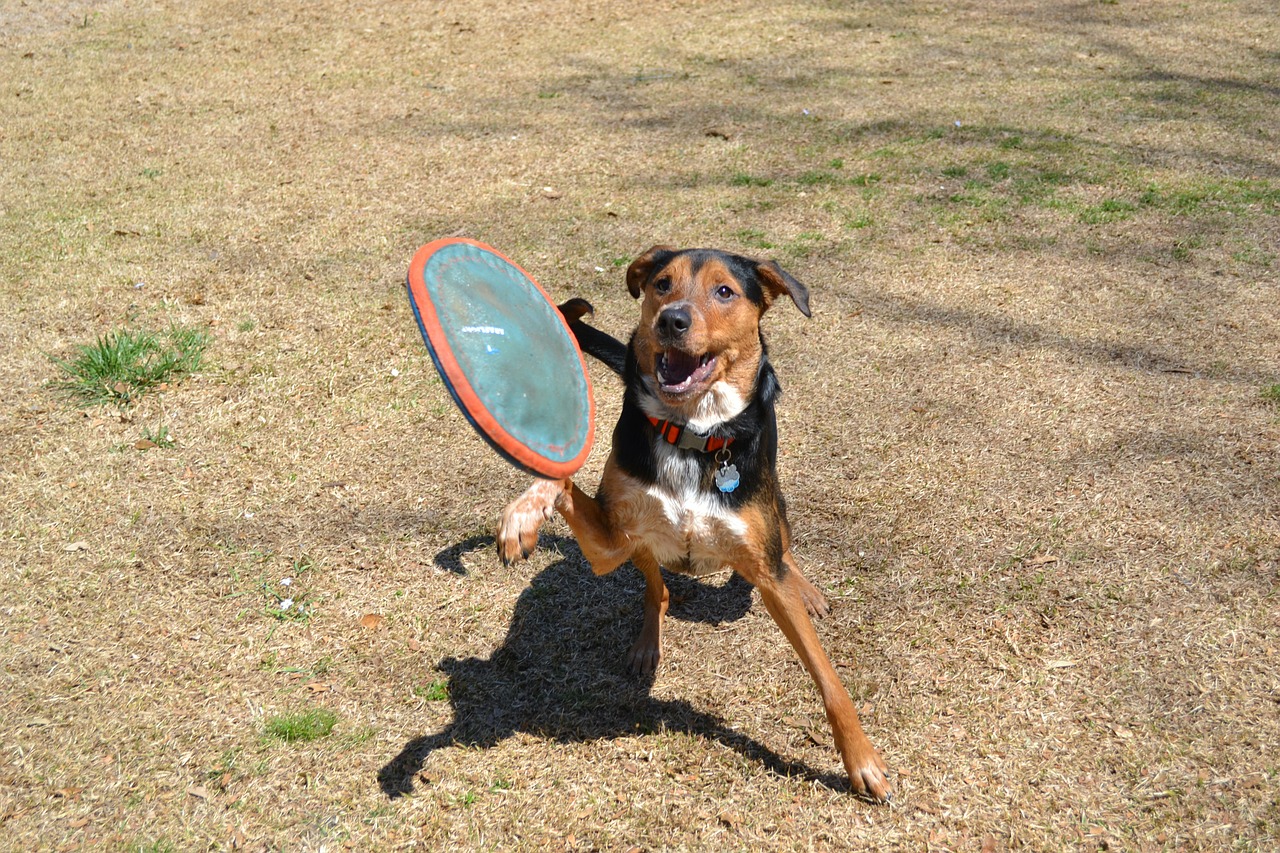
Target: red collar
(686, 439)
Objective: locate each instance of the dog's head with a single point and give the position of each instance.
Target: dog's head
(700, 321)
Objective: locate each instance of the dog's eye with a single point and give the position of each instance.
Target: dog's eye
(662, 285)
(725, 292)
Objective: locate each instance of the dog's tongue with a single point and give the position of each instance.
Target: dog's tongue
(676, 367)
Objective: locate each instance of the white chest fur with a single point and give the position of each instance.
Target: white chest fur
(721, 403)
(685, 528)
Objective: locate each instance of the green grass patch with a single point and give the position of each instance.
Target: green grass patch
(311, 724)
(754, 237)
(436, 691)
(1182, 249)
(998, 170)
(818, 177)
(980, 201)
(742, 179)
(1211, 195)
(1253, 255)
(123, 365)
(1038, 186)
(803, 244)
(1271, 394)
(1109, 210)
(159, 437)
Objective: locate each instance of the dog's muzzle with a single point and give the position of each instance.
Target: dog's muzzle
(673, 323)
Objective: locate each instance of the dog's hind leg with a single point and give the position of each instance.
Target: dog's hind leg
(815, 603)
(646, 653)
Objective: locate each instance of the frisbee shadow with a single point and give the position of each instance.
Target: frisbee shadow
(561, 672)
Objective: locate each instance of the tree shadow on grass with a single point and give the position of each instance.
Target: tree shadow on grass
(561, 671)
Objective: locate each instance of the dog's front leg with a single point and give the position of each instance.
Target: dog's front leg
(784, 598)
(518, 527)
(603, 544)
(604, 547)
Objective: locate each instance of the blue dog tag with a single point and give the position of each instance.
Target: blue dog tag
(727, 478)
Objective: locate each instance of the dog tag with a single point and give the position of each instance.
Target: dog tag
(727, 478)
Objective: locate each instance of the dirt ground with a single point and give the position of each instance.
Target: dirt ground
(1030, 437)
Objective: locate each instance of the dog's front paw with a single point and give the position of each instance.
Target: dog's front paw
(518, 527)
(868, 774)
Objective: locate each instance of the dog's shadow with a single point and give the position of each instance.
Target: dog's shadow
(561, 671)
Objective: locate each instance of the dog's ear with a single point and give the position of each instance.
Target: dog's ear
(778, 281)
(642, 267)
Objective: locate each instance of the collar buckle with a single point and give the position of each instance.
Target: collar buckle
(690, 440)
(686, 439)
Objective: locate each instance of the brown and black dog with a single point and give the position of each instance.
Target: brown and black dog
(691, 482)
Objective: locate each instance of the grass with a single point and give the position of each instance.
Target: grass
(742, 179)
(121, 366)
(1027, 437)
(159, 437)
(436, 691)
(288, 599)
(301, 726)
(286, 604)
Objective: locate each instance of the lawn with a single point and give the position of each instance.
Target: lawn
(1030, 437)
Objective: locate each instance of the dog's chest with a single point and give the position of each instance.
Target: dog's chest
(685, 528)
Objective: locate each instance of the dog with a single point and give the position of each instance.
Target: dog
(691, 481)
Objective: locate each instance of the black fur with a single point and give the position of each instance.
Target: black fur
(600, 345)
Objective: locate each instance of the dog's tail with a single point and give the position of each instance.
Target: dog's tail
(594, 342)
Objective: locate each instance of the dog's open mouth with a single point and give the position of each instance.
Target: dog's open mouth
(680, 371)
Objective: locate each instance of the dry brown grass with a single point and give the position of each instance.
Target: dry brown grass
(1025, 444)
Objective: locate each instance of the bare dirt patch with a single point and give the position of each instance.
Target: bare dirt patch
(1028, 446)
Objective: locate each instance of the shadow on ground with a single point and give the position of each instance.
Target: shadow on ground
(561, 673)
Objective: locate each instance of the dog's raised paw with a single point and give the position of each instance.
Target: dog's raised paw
(575, 309)
(518, 527)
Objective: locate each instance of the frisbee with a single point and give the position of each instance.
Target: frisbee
(506, 355)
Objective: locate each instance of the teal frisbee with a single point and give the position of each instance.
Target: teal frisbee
(505, 353)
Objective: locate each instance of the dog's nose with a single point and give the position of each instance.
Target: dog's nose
(674, 322)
